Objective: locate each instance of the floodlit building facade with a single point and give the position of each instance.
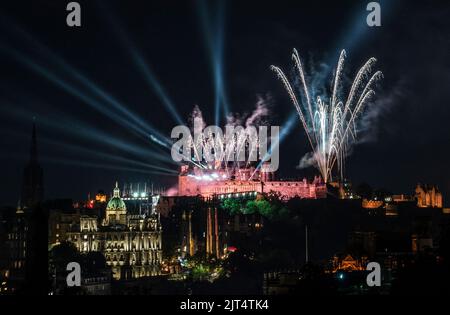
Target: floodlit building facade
(131, 243)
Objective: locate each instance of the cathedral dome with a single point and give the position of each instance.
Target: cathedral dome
(116, 203)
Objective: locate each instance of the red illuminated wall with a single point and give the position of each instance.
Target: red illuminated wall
(190, 186)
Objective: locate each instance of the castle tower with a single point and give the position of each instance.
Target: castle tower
(266, 174)
(32, 184)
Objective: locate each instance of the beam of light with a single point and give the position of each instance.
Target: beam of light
(285, 130)
(78, 129)
(103, 166)
(356, 29)
(105, 156)
(357, 26)
(121, 108)
(90, 152)
(214, 38)
(88, 83)
(153, 82)
(330, 122)
(92, 102)
(220, 49)
(66, 161)
(158, 141)
(143, 67)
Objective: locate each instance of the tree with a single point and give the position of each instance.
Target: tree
(269, 206)
(251, 207)
(62, 254)
(265, 209)
(233, 206)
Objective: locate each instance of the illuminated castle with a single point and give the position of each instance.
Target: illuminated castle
(194, 181)
(428, 196)
(131, 243)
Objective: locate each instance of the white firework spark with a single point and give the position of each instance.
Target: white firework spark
(331, 127)
(234, 145)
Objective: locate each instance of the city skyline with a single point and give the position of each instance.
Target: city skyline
(62, 78)
(198, 148)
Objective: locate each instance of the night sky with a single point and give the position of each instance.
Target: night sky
(89, 88)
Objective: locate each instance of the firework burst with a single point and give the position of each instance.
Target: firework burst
(330, 122)
(241, 142)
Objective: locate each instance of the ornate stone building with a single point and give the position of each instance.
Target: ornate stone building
(131, 243)
(428, 196)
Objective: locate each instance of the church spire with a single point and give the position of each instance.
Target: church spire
(33, 148)
(32, 185)
(116, 191)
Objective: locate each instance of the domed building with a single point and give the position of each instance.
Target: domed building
(116, 210)
(131, 243)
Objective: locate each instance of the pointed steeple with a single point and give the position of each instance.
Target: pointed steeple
(116, 191)
(33, 147)
(32, 185)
